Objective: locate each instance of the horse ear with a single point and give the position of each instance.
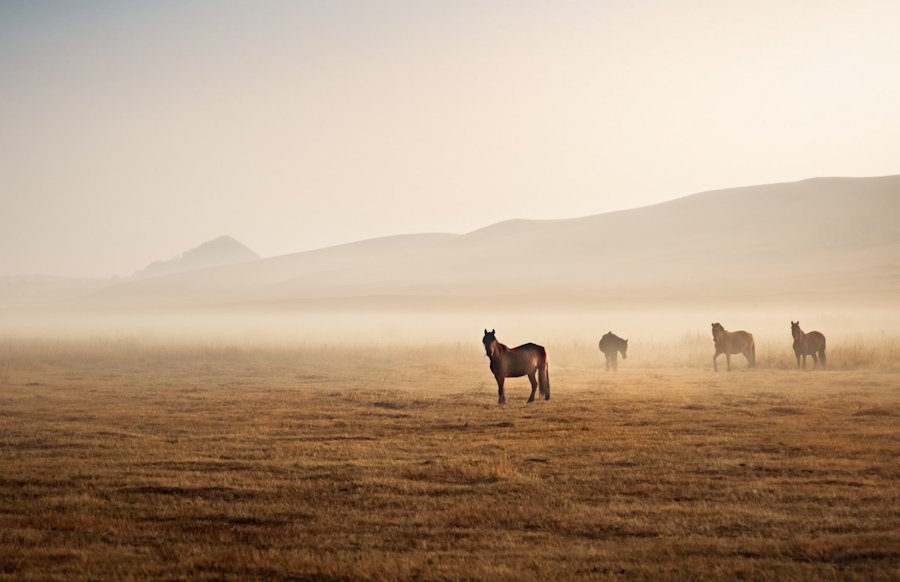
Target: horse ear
(493, 331)
(485, 331)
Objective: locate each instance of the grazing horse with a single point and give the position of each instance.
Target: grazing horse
(526, 360)
(808, 344)
(733, 342)
(611, 345)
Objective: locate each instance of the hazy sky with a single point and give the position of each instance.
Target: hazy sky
(131, 131)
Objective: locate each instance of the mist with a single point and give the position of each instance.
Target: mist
(133, 132)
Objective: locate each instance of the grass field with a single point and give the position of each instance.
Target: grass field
(124, 460)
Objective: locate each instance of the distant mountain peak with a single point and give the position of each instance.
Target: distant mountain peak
(223, 250)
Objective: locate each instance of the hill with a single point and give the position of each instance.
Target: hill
(823, 239)
(223, 250)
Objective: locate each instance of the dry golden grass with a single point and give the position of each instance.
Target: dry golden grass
(124, 460)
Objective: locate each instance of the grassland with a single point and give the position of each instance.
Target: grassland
(125, 460)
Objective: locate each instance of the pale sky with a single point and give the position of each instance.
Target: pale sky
(131, 131)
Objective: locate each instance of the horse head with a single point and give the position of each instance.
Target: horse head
(716, 330)
(488, 340)
(795, 329)
(624, 349)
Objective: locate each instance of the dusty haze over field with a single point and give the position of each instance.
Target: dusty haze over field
(132, 132)
(824, 251)
(414, 172)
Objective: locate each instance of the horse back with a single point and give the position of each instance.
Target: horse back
(531, 349)
(735, 342)
(610, 343)
(524, 359)
(815, 340)
(809, 343)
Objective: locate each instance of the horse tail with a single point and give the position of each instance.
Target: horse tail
(822, 352)
(752, 353)
(544, 378)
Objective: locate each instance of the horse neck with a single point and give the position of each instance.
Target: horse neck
(499, 349)
(801, 336)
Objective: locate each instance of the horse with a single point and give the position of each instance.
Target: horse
(527, 359)
(808, 344)
(733, 342)
(611, 345)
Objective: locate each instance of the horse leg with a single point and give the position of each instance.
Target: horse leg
(822, 357)
(815, 358)
(728, 360)
(798, 361)
(607, 361)
(615, 362)
(804, 361)
(502, 396)
(534, 384)
(715, 365)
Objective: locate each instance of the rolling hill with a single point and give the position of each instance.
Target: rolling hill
(821, 239)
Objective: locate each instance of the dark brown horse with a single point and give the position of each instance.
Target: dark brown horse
(526, 360)
(808, 344)
(611, 345)
(733, 342)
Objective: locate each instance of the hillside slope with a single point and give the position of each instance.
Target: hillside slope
(818, 237)
(223, 250)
